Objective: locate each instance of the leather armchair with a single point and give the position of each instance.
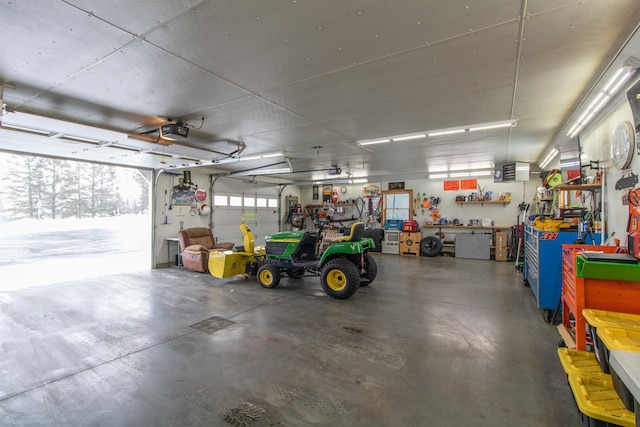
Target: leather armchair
(196, 243)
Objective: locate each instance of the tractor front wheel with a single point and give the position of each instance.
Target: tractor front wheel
(340, 278)
(269, 276)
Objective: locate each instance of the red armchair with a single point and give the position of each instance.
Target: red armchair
(195, 244)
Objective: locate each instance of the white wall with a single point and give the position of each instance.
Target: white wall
(225, 221)
(501, 214)
(596, 145)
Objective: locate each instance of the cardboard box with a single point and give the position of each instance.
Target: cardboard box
(501, 239)
(501, 253)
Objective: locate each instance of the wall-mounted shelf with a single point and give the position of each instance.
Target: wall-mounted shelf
(468, 227)
(488, 202)
(585, 187)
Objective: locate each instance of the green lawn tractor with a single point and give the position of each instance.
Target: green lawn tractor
(343, 266)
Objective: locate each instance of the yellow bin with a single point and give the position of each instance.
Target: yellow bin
(597, 399)
(579, 362)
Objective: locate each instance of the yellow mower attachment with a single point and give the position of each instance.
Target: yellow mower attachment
(229, 263)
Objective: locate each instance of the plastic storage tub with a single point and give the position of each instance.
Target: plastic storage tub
(625, 373)
(599, 402)
(614, 339)
(390, 224)
(610, 319)
(579, 362)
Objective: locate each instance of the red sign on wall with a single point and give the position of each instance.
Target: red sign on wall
(469, 184)
(452, 185)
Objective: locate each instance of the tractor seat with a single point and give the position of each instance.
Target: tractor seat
(357, 230)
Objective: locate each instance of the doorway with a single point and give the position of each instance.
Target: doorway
(397, 206)
(63, 220)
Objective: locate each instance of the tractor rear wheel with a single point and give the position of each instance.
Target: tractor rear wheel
(370, 270)
(340, 278)
(269, 276)
(296, 272)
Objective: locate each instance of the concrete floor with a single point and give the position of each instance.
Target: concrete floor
(433, 342)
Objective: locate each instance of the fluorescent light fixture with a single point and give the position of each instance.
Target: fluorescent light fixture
(359, 181)
(438, 168)
(244, 159)
(480, 173)
(409, 137)
(275, 171)
(446, 132)
(458, 174)
(374, 141)
(493, 126)
(259, 156)
(438, 175)
(628, 68)
(459, 167)
(439, 132)
(552, 154)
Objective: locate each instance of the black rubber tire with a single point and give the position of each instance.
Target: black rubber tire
(340, 278)
(370, 270)
(296, 272)
(430, 246)
(269, 276)
(377, 234)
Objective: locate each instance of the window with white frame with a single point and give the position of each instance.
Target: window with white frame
(220, 200)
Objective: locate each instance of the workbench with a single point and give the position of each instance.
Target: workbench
(480, 244)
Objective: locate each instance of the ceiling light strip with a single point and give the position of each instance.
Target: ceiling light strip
(439, 132)
(552, 154)
(409, 137)
(627, 69)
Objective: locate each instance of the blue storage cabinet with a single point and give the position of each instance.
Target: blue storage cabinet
(543, 264)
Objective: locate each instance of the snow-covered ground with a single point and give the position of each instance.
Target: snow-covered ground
(43, 252)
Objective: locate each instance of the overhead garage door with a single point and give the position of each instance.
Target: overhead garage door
(64, 220)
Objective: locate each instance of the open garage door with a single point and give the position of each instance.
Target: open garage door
(63, 220)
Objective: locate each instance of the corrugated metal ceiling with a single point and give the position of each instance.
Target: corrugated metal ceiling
(290, 76)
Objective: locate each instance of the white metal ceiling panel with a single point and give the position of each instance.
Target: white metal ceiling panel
(291, 75)
(425, 89)
(246, 116)
(269, 44)
(46, 43)
(150, 79)
(137, 17)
